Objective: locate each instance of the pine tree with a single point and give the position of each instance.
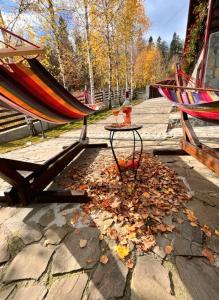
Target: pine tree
(150, 41)
(176, 46)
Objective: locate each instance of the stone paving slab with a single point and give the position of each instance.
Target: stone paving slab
(30, 263)
(68, 288)
(150, 280)
(4, 293)
(108, 280)
(199, 277)
(36, 292)
(4, 249)
(71, 257)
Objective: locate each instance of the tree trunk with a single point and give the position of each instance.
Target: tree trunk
(110, 72)
(56, 39)
(132, 69)
(89, 59)
(126, 68)
(117, 83)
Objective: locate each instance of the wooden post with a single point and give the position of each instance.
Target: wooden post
(206, 39)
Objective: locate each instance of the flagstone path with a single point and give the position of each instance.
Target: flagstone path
(40, 256)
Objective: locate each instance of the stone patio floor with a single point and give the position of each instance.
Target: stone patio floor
(40, 256)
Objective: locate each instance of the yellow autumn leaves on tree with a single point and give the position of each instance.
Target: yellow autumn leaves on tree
(149, 66)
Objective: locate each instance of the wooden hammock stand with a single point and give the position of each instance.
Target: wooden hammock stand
(190, 145)
(29, 189)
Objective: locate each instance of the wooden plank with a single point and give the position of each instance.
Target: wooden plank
(12, 127)
(10, 175)
(184, 87)
(12, 121)
(44, 178)
(21, 165)
(167, 151)
(11, 115)
(21, 51)
(212, 162)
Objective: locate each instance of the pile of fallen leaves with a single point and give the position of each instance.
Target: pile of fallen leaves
(137, 208)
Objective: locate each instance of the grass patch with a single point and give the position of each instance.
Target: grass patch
(56, 132)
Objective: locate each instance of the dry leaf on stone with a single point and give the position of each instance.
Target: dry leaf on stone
(194, 224)
(208, 254)
(129, 263)
(83, 243)
(148, 242)
(168, 249)
(104, 259)
(190, 215)
(112, 233)
(206, 230)
(101, 237)
(216, 232)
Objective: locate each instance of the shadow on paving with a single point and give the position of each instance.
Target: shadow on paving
(76, 273)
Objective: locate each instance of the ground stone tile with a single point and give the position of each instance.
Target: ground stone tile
(70, 257)
(47, 218)
(54, 235)
(187, 240)
(6, 213)
(36, 292)
(5, 292)
(206, 214)
(109, 280)
(150, 280)
(30, 263)
(68, 288)
(213, 243)
(4, 250)
(199, 277)
(29, 234)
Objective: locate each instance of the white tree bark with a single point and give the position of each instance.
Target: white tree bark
(89, 52)
(132, 69)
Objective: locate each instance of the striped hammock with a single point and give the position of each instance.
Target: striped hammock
(198, 102)
(33, 91)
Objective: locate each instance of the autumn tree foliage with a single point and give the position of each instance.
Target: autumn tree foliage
(97, 44)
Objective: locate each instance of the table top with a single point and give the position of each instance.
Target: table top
(130, 128)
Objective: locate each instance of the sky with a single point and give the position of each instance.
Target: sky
(167, 17)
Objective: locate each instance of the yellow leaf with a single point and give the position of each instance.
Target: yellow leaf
(122, 251)
(216, 232)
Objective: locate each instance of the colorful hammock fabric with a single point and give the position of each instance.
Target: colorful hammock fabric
(35, 92)
(202, 104)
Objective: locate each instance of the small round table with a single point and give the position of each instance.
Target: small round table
(134, 129)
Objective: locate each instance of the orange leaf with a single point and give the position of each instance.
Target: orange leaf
(168, 249)
(206, 230)
(130, 263)
(193, 224)
(83, 243)
(104, 259)
(148, 242)
(83, 187)
(208, 254)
